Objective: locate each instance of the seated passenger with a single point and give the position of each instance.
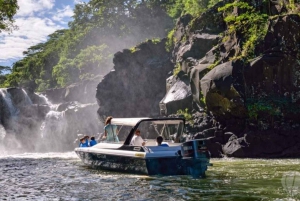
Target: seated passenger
(159, 140)
(93, 141)
(83, 142)
(137, 140)
(87, 140)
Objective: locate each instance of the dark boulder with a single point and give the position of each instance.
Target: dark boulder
(222, 88)
(234, 147)
(178, 96)
(83, 92)
(134, 89)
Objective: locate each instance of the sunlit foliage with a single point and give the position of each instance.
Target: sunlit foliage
(99, 29)
(8, 9)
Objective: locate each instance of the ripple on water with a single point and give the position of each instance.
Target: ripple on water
(57, 176)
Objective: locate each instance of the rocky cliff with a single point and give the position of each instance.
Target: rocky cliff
(247, 101)
(257, 99)
(136, 85)
(237, 79)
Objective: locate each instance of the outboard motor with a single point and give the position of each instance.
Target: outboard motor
(196, 156)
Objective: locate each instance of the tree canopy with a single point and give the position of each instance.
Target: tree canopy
(99, 29)
(8, 9)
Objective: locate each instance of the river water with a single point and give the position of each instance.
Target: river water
(62, 176)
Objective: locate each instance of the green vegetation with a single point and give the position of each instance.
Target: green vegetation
(99, 29)
(2, 70)
(187, 115)
(156, 40)
(203, 101)
(133, 49)
(8, 9)
(250, 24)
(269, 107)
(193, 7)
(170, 40)
(176, 69)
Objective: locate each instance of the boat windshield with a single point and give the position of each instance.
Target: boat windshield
(170, 130)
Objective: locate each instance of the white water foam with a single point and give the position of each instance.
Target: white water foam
(46, 101)
(64, 155)
(2, 133)
(27, 98)
(7, 99)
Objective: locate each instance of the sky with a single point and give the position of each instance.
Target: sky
(36, 19)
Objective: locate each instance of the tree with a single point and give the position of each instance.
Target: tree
(8, 9)
(100, 28)
(4, 68)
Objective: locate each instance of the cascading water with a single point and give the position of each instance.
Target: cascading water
(53, 131)
(2, 136)
(36, 125)
(27, 98)
(47, 102)
(2, 133)
(7, 100)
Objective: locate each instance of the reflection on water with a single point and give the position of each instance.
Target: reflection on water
(62, 176)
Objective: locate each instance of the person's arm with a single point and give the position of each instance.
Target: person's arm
(105, 134)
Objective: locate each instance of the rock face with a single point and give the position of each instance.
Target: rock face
(134, 87)
(83, 92)
(178, 96)
(253, 105)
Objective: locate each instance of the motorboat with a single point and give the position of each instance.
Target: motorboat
(178, 157)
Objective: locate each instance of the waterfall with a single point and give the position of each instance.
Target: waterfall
(7, 99)
(46, 101)
(27, 98)
(28, 125)
(2, 133)
(53, 132)
(53, 129)
(54, 125)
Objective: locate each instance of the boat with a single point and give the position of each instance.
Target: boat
(176, 158)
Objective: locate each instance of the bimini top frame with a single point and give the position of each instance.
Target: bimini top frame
(135, 122)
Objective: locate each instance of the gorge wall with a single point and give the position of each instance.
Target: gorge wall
(136, 85)
(250, 108)
(239, 87)
(257, 101)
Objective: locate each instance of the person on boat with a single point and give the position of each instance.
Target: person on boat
(159, 141)
(93, 141)
(137, 140)
(87, 140)
(110, 131)
(83, 142)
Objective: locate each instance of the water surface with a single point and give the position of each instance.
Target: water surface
(62, 176)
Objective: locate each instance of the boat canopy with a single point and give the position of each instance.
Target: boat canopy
(127, 121)
(134, 121)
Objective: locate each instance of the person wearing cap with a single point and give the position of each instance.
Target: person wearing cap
(137, 140)
(84, 142)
